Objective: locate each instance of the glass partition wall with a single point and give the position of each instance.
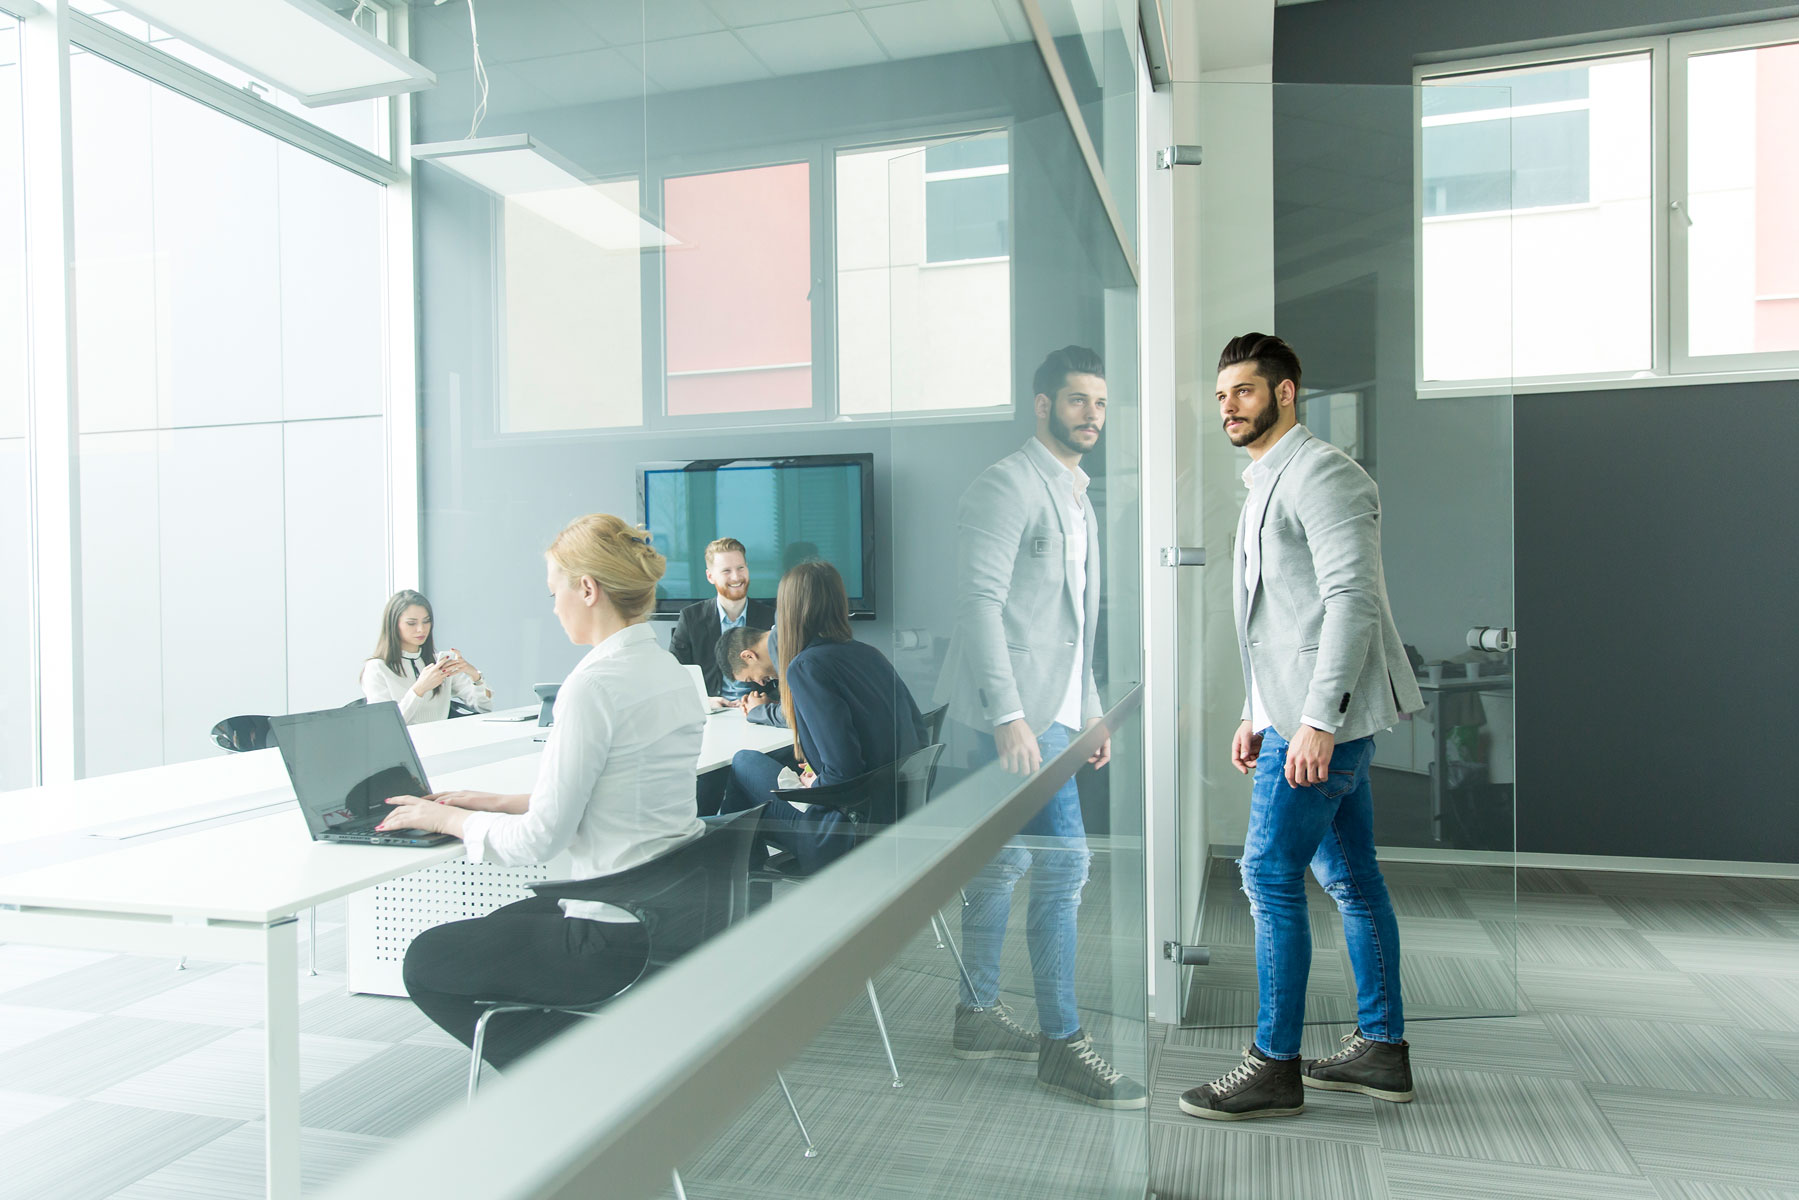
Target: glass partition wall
(1388, 251)
(807, 304)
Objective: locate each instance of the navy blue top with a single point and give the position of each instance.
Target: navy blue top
(853, 711)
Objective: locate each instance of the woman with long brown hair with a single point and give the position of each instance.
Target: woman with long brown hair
(849, 710)
(407, 669)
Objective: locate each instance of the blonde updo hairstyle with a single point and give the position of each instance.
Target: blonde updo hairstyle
(614, 555)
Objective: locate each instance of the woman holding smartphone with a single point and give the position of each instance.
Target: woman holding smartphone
(614, 789)
(407, 668)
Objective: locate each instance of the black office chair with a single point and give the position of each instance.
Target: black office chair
(242, 734)
(684, 898)
(871, 802)
(933, 723)
(359, 702)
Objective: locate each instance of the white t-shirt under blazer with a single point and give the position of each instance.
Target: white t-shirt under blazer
(380, 684)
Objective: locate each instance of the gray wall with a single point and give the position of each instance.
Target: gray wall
(491, 504)
(1652, 526)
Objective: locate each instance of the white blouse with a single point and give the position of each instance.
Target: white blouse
(379, 684)
(615, 786)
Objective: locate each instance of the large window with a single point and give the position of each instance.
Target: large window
(924, 277)
(230, 322)
(1562, 242)
(16, 696)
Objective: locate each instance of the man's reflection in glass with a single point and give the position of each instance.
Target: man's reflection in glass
(1019, 680)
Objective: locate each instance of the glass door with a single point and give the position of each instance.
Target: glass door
(1371, 229)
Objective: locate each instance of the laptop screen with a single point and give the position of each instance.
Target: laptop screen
(345, 762)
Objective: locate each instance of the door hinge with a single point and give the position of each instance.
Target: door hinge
(1178, 156)
(1183, 556)
(1187, 956)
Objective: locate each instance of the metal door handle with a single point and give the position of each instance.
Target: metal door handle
(1183, 556)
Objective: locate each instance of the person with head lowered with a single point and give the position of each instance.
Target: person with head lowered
(850, 713)
(696, 633)
(747, 655)
(614, 789)
(407, 669)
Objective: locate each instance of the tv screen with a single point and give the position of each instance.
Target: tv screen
(783, 510)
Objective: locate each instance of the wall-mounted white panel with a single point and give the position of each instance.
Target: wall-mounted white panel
(219, 266)
(16, 699)
(116, 292)
(121, 605)
(224, 626)
(331, 289)
(336, 487)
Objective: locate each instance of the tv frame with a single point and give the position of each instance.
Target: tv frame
(862, 608)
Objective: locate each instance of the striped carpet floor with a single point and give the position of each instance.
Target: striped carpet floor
(1655, 1056)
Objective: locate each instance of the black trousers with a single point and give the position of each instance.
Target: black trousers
(524, 953)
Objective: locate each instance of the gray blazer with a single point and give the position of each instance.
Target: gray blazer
(1015, 641)
(1317, 629)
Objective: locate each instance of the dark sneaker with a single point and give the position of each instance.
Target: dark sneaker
(992, 1033)
(1379, 1069)
(1257, 1087)
(1071, 1066)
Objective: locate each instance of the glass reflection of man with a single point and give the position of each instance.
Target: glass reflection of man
(1019, 676)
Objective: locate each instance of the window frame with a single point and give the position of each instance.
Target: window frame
(1670, 363)
(1682, 49)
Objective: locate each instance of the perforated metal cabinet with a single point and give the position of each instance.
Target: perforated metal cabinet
(383, 920)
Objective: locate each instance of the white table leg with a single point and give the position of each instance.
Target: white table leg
(281, 1061)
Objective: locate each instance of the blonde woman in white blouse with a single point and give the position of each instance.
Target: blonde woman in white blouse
(615, 788)
(406, 667)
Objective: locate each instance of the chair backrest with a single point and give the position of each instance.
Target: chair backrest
(243, 733)
(685, 897)
(359, 702)
(933, 723)
(883, 795)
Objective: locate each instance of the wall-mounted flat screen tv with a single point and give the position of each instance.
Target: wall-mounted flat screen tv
(784, 511)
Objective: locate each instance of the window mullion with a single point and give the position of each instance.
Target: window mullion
(1668, 206)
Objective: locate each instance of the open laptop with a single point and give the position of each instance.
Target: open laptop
(699, 687)
(344, 763)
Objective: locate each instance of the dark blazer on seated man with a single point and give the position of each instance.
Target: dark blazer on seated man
(695, 638)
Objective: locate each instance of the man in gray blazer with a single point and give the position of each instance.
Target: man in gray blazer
(1323, 670)
(1019, 679)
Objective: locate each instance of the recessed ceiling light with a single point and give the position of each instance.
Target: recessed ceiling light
(300, 46)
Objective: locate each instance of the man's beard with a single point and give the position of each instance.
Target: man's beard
(1259, 424)
(733, 591)
(1065, 434)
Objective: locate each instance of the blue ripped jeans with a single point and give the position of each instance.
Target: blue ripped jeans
(1052, 846)
(1329, 826)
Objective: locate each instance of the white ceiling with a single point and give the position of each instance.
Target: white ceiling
(561, 52)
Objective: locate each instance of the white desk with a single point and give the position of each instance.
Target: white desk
(229, 889)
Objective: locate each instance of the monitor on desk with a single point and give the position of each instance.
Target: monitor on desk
(346, 762)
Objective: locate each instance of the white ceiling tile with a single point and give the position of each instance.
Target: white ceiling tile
(815, 44)
(739, 13)
(705, 60)
(935, 27)
(531, 28)
(623, 22)
(587, 77)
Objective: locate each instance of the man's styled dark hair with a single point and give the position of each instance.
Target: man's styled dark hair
(732, 643)
(1274, 359)
(1053, 375)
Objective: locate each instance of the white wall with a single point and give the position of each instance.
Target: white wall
(230, 389)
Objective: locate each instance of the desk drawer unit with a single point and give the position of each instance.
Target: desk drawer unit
(383, 920)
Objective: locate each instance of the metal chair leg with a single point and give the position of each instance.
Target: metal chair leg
(811, 1150)
(312, 941)
(964, 892)
(936, 932)
(956, 951)
(475, 1046)
(680, 1192)
(874, 1003)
